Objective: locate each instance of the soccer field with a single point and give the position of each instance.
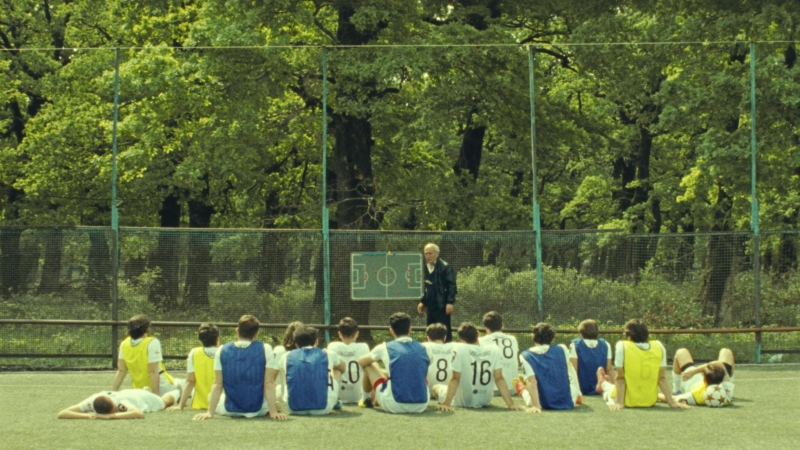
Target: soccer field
(764, 416)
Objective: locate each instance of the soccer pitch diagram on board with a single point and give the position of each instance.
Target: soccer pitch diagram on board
(386, 276)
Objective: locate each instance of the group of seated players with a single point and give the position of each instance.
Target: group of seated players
(249, 378)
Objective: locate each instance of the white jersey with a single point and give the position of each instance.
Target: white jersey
(476, 364)
(509, 354)
(351, 388)
(280, 385)
(441, 358)
(141, 399)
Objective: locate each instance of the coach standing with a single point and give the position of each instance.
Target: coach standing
(440, 290)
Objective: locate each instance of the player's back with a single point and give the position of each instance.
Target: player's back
(509, 354)
(441, 357)
(351, 387)
(477, 364)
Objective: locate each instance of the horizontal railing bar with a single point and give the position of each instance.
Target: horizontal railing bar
(384, 327)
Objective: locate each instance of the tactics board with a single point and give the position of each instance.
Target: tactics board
(386, 276)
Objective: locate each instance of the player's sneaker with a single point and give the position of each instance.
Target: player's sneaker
(601, 377)
(366, 403)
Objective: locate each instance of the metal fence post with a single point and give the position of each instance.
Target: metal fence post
(537, 227)
(754, 202)
(114, 217)
(326, 238)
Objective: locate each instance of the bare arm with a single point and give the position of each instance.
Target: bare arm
(365, 360)
(574, 362)
(213, 397)
(269, 393)
(131, 413)
(155, 383)
(122, 370)
(74, 412)
(502, 386)
(187, 390)
(533, 390)
(341, 367)
(452, 387)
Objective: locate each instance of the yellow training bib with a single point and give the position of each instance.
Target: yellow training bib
(135, 357)
(642, 368)
(203, 378)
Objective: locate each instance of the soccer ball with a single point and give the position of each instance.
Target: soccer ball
(715, 396)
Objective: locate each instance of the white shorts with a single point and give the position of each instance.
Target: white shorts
(688, 385)
(387, 402)
(224, 412)
(478, 401)
(333, 398)
(165, 386)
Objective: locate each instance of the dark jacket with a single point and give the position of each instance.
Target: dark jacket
(444, 281)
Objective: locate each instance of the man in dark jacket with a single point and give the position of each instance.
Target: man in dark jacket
(440, 290)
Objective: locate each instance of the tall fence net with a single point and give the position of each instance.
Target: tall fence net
(670, 281)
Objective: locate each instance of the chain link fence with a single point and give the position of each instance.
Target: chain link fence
(672, 282)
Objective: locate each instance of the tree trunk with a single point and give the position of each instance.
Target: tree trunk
(719, 261)
(352, 179)
(50, 280)
(165, 290)
(685, 260)
(273, 271)
(10, 274)
(199, 263)
(98, 287)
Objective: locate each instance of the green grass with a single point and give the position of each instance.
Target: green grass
(764, 416)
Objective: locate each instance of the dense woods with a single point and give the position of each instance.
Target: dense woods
(642, 124)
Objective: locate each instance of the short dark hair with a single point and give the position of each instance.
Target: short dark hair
(436, 332)
(400, 323)
(138, 326)
(348, 327)
(102, 404)
(588, 329)
(636, 331)
(288, 336)
(714, 372)
(493, 321)
(248, 326)
(468, 333)
(305, 336)
(208, 334)
(543, 334)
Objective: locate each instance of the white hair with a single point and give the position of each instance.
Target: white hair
(433, 246)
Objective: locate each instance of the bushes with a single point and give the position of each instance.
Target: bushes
(569, 296)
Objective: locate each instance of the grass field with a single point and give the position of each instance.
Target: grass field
(765, 415)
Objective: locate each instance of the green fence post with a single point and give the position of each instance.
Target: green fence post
(754, 202)
(114, 217)
(326, 238)
(537, 228)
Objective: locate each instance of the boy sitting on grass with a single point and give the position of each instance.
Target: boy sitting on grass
(312, 375)
(141, 354)
(587, 354)
(349, 351)
(200, 369)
